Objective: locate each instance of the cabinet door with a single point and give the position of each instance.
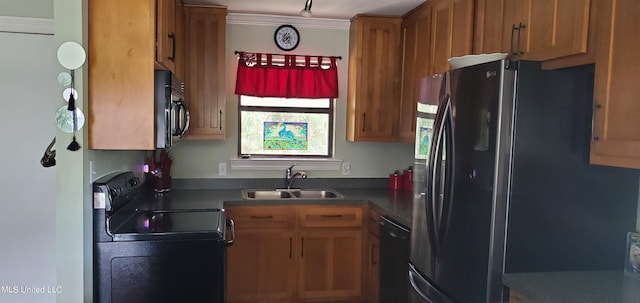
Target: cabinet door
(374, 79)
(166, 34)
(416, 34)
(206, 72)
(330, 264)
(121, 78)
(489, 24)
(373, 295)
(452, 32)
(550, 28)
(261, 265)
(181, 41)
(616, 134)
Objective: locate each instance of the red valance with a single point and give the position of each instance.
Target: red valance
(259, 76)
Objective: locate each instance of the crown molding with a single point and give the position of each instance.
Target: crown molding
(26, 25)
(261, 20)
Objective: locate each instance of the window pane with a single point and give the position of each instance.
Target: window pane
(278, 133)
(282, 102)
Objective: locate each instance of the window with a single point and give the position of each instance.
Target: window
(285, 127)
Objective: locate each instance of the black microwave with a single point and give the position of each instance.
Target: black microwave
(172, 114)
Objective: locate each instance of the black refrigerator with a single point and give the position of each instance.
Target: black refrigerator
(504, 184)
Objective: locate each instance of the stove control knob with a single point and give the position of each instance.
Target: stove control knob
(134, 181)
(115, 192)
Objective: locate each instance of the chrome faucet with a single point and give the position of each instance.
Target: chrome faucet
(290, 177)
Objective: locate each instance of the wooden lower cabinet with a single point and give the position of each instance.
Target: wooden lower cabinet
(296, 254)
(261, 266)
(330, 264)
(373, 273)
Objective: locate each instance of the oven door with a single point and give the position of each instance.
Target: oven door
(159, 271)
(164, 256)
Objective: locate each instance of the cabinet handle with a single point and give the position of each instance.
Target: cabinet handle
(262, 217)
(364, 121)
(302, 248)
(331, 216)
(373, 253)
(520, 28)
(232, 226)
(290, 247)
(220, 120)
(513, 31)
(594, 138)
(172, 58)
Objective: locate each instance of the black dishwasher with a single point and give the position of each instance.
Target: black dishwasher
(394, 260)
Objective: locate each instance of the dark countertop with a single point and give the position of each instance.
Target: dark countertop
(575, 286)
(396, 205)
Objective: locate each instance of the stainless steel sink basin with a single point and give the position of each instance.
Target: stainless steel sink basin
(316, 194)
(285, 194)
(265, 194)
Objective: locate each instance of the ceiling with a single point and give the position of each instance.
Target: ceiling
(329, 9)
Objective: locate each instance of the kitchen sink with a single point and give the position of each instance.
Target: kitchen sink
(295, 194)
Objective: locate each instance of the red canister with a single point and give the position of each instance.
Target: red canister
(407, 175)
(396, 181)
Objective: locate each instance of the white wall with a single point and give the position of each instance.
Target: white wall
(200, 159)
(30, 96)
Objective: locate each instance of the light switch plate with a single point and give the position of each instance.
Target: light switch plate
(222, 169)
(346, 168)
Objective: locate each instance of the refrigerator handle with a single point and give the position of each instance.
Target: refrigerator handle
(433, 169)
(447, 199)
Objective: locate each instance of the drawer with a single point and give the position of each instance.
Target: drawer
(262, 217)
(373, 221)
(330, 216)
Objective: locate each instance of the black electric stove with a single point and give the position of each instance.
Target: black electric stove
(152, 254)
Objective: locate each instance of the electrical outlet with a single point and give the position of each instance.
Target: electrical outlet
(222, 169)
(346, 168)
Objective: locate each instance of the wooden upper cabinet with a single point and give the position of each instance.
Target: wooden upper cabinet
(616, 134)
(121, 63)
(553, 28)
(181, 41)
(166, 34)
(416, 37)
(451, 32)
(373, 91)
(489, 24)
(536, 30)
(205, 74)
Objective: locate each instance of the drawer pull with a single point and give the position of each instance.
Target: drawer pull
(331, 216)
(261, 217)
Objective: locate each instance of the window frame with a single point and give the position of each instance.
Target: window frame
(282, 109)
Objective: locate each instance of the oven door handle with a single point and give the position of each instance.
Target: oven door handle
(232, 227)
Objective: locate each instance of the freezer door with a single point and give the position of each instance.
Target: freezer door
(422, 291)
